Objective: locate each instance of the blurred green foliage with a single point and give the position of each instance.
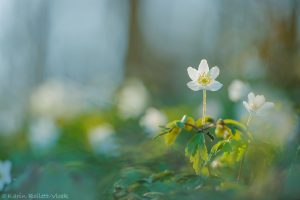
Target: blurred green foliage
(147, 168)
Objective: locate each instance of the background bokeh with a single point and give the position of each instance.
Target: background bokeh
(84, 84)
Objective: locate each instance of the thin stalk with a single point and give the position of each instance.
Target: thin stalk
(249, 119)
(241, 165)
(204, 107)
(203, 122)
(243, 158)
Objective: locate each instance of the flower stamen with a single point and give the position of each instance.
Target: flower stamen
(204, 79)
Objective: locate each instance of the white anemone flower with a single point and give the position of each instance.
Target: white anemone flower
(43, 133)
(55, 99)
(151, 121)
(102, 140)
(5, 176)
(257, 104)
(203, 78)
(132, 99)
(237, 90)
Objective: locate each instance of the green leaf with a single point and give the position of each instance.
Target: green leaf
(193, 144)
(216, 148)
(171, 131)
(172, 135)
(203, 151)
(224, 145)
(197, 152)
(236, 124)
(239, 126)
(161, 175)
(227, 146)
(240, 152)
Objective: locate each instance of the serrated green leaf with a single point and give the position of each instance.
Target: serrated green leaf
(227, 146)
(239, 126)
(237, 136)
(189, 124)
(197, 152)
(171, 131)
(172, 135)
(203, 151)
(193, 144)
(167, 129)
(216, 148)
(197, 164)
(240, 152)
(223, 145)
(236, 124)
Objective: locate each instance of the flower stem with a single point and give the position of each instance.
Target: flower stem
(204, 107)
(249, 119)
(242, 164)
(244, 156)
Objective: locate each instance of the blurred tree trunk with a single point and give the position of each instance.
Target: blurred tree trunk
(23, 38)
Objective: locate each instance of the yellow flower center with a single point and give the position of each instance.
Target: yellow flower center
(204, 79)
(254, 106)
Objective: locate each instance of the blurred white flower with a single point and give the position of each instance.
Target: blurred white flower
(257, 104)
(281, 125)
(132, 99)
(237, 90)
(102, 140)
(43, 133)
(216, 163)
(203, 78)
(5, 176)
(55, 99)
(151, 121)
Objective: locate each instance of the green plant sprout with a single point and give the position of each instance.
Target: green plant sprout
(233, 137)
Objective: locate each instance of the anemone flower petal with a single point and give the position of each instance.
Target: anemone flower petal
(251, 97)
(259, 100)
(194, 86)
(266, 106)
(246, 105)
(214, 86)
(203, 67)
(193, 73)
(214, 72)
